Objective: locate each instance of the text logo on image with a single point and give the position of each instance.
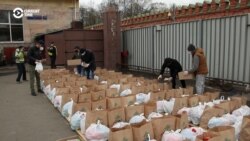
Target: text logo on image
(18, 13)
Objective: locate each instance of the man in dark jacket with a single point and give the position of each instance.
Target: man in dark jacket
(52, 52)
(77, 55)
(35, 56)
(174, 67)
(88, 62)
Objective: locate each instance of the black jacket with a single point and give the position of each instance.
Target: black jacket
(89, 58)
(173, 65)
(53, 51)
(34, 54)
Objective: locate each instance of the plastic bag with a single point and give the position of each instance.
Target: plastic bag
(83, 123)
(104, 82)
(218, 121)
(165, 106)
(120, 125)
(209, 104)
(47, 89)
(116, 86)
(97, 132)
(67, 108)
(242, 111)
(39, 67)
(172, 136)
(58, 101)
(126, 92)
(191, 133)
(142, 98)
(237, 126)
(51, 94)
(96, 77)
(195, 113)
(137, 119)
(76, 119)
(154, 115)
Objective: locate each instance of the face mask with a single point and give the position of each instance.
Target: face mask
(41, 48)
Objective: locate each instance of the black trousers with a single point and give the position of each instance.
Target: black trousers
(52, 62)
(21, 71)
(183, 83)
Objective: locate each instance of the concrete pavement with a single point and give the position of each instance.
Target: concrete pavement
(27, 118)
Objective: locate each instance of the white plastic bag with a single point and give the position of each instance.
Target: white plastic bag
(154, 115)
(195, 113)
(142, 98)
(172, 136)
(67, 109)
(116, 86)
(191, 133)
(47, 89)
(218, 121)
(39, 67)
(119, 125)
(137, 119)
(104, 82)
(237, 126)
(126, 92)
(165, 106)
(97, 132)
(58, 101)
(242, 111)
(76, 119)
(209, 104)
(96, 77)
(83, 123)
(52, 94)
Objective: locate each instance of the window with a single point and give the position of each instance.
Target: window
(11, 29)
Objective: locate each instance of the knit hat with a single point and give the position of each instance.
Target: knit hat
(191, 47)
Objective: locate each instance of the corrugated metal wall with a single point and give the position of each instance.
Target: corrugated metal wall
(226, 42)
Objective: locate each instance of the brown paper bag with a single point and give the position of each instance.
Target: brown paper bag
(114, 103)
(234, 104)
(203, 98)
(188, 91)
(245, 129)
(225, 105)
(91, 83)
(132, 79)
(128, 100)
(149, 108)
(193, 101)
(100, 87)
(123, 134)
(137, 89)
(83, 98)
(60, 91)
(227, 133)
(112, 92)
(160, 125)
(179, 104)
(125, 86)
(98, 95)
(141, 131)
(185, 77)
(182, 121)
(212, 95)
(242, 100)
(208, 136)
(131, 111)
(100, 104)
(156, 96)
(123, 80)
(178, 92)
(115, 115)
(80, 83)
(208, 114)
(169, 94)
(94, 116)
(83, 107)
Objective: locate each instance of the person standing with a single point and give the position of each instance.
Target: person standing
(88, 62)
(19, 55)
(52, 52)
(77, 55)
(199, 68)
(35, 56)
(175, 67)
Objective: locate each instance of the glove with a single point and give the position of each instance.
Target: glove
(185, 72)
(85, 65)
(168, 79)
(160, 77)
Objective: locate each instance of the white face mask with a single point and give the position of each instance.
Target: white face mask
(41, 48)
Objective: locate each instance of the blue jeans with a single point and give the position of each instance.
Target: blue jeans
(200, 83)
(80, 70)
(89, 73)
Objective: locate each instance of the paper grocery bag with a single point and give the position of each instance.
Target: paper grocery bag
(178, 92)
(84, 98)
(179, 104)
(131, 111)
(208, 136)
(112, 92)
(225, 105)
(208, 114)
(185, 77)
(169, 94)
(227, 133)
(137, 89)
(98, 95)
(245, 129)
(94, 116)
(182, 121)
(116, 115)
(160, 125)
(149, 108)
(100, 87)
(203, 98)
(125, 86)
(132, 79)
(99, 105)
(80, 83)
(212, 95)
(83, 107)
(156, 96)
(91, 83)
(128, 100)
(193, 101)
(234, 104)
(114, 103)
(240, 99)
(123, 134)
(188, 91)
(60, 91)
(123, 80)
(142, 130)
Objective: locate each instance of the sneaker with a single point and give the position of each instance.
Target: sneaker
(33, 94)
(40, 91)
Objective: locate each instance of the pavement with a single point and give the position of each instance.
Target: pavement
(27, 118)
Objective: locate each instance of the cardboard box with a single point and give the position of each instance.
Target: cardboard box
(185, 77)
(74, 62)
